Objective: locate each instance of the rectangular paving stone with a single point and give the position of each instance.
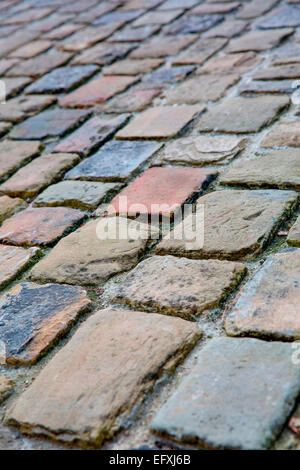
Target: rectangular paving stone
(13, 85)
(161, 191)
(279, 169)
(27, 16)
(281, 17)
(14, 260)
(104, 53)
(95, 252)
(80, 371)
(238, 396)
(294, 234)
(17, 109)
(162, 46)
(287, 54)
(231, 63)
(227, 29)
(287, 133)
(61, 32)
(87, 37)
(97, 91)
(170, 4)
(132, 67)
(200, 51)
(267, 87)
(114, 161)
(91, 134)
(188, 24)
(36, 175)
(130, 34)
(246, 114)
(49, 123)
(10, 206)
(258, 40)
(41, 64)
(178, 286)
(258, 310)
(255, 9)
(166, 76)
(157, 17)
(86, 195)
(161, 122)
(62, 79)
(40, 226)
(34, 316)
(201, 89)
(133, 100)
(222, 7)
(278, 73)
(202, 150)
(15, 40)
(15, 154)
(237, 225)
(31, 49)
(119, 16)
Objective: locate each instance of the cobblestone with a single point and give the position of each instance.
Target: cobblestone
(117, 107)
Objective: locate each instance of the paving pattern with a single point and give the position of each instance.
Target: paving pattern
(115, 333)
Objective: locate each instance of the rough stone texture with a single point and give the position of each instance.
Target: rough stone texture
(278, 73)
(192, 24)
(61, 32)
(4, 128)
(55, 122)
(33, 317)
(215, 8)
(279, 169)
(286, 54)
(6, 64)
(116, 160)
(238, 396)
(40, 65)
(163, 77)
(227, 29)
(97, 91)
(36, 175)
(161, 190)
(103, 53)
(18, 152)
(258, 40)
(294, 234)
(273, 290)
(79, 373)
(163, 46)
(200, 51)
(91, 134)
(254, 9)
(157, 17)
(231, 63)
(87, 37)
(201, 89)
(131, 34)
(202, 150)
(134, 100)
(178, 286)
(132, 67)
(267, 87)
(17, 109)
(85, 195)
(62, 79)
(94, 252)
(237, 224)
(15, 40)
(14, 85)
(282, 17)
(159, 122)
(286, 133)
(31, 49)
(13, 260)
(5, 387)
(10, 206)
(41, 226)
(243, 115)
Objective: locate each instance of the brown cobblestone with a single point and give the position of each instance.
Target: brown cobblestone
(19, 153)
(9, 206)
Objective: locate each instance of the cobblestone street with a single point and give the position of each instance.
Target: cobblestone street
(117, 117)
